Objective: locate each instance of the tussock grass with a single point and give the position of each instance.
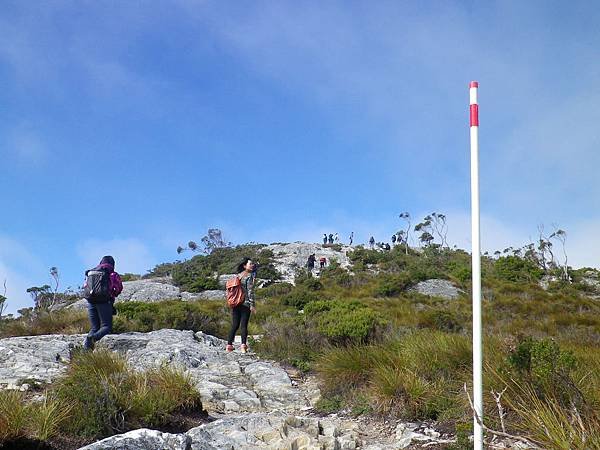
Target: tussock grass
(110, 397)
(20, 418)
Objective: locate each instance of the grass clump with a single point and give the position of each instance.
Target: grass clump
(110, 397)
(38, 421)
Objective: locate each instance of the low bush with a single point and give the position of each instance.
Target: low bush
(44, 322)
(299, 297)
(343, 322)
(209, 317)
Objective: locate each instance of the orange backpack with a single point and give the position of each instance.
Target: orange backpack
(235, 292)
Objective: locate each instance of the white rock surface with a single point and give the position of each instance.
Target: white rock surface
(289, 257)
(438, 288)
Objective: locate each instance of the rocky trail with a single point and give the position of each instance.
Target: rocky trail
(251, 403)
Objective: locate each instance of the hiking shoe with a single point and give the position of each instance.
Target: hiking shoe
(89, 343)
(244, 348)
(229, 348)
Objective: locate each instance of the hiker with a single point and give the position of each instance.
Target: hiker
(254, 271)
(322, 261)
(336, 238)
(387, 247)
(330, 238)
(240, 298)
(372, 242)
(393, 239)
(102, 285)
(324, 238)
(310, 263)
(351, 238)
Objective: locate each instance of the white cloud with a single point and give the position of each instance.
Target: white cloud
(131, 255)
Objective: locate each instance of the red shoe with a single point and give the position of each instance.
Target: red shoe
(229, 348)
(244, 348)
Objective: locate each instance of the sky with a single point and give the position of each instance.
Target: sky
(129, 128)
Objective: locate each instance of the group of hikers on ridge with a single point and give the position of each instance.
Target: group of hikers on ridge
(335, 238)
(103, 285)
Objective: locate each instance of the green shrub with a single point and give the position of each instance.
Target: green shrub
(513, 268)
(389, 285)
(342, 322)
(209, 317)
(299, 297)
(548, 368)
(275, 290)
(441, 320)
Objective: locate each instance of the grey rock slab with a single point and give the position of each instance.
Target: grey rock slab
(274, 431)
(438, 288)
(142, 439)
(148, 291)
(28, 359)
(215, 294)
(228, 382)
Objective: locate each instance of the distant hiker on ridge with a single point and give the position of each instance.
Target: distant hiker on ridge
(372, 242)
(324, 238)
(393, 239)
(330, 238)
(240, 298)
(351, 238)
(102, 285)
(336, 238)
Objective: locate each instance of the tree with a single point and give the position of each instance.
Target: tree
(213, 240)
(439, 225)
(40, 295)
(56, 277)
(402, 235)
(561, 236)
(3, 301)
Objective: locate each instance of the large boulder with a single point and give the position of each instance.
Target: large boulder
(228, 382)
(438, 288)
(142, 439)
(148, 291)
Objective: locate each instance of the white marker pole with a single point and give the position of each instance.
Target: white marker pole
(476, 269)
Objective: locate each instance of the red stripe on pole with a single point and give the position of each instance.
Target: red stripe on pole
(474, 115)
(473, 84)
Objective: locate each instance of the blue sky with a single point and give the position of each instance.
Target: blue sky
(132, 127)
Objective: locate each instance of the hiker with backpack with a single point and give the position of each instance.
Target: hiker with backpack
(102, 285)
(310, 263)
(240, 299)
(372, 242)
(322, 262)
(331, 238)
(324, 238)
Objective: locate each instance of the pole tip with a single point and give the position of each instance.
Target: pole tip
(473, 84)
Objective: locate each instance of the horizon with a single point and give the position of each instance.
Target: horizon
(131, 130)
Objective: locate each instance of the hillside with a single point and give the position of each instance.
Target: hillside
(373, 339)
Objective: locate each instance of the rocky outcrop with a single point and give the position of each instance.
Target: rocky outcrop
(143, 439)
(150, 291)
(248, 432)
(289, 257)
(438, 288)
(228, 382)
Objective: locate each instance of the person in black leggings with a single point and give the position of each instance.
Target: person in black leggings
(240, 315)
